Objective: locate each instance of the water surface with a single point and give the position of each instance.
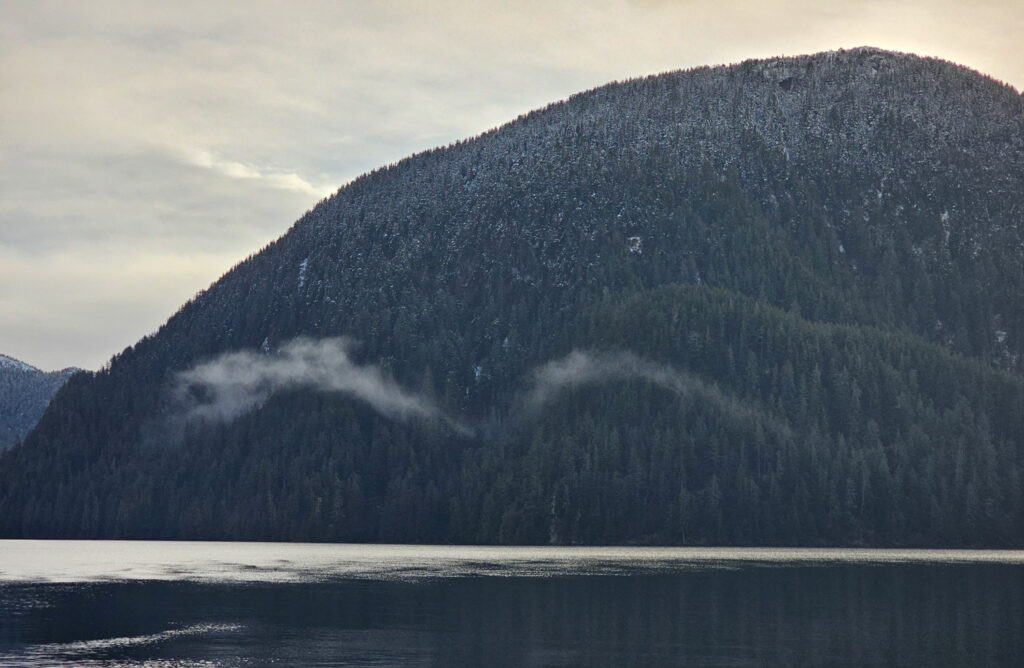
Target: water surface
(110, 603)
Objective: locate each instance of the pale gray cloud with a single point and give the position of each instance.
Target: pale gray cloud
(592, 367)
(191, 133)
(235, 383)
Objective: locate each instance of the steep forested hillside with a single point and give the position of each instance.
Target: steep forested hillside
(24, 393)
(780, 302)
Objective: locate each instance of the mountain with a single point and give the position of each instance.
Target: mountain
(778, 302)
(24, 393)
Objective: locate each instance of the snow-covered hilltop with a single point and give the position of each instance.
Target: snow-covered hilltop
(11, 363)
(25, 392)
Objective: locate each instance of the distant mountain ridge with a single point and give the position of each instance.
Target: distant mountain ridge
(25, 391)
(778, 302)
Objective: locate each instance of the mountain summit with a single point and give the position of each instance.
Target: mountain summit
(24, 393)
(778, 302)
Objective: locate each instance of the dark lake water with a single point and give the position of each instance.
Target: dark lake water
(248, 604)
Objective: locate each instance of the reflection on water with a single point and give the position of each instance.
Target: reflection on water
(87, 651)
(93, 561)
(170, 604)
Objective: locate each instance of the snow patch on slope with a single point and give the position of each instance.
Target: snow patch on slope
(11, 363)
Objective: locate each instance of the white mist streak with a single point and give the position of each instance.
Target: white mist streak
(583, 368)
(586, 368)
(235, 383)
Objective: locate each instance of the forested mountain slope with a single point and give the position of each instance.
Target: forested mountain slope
(24, 393)
(795, 289)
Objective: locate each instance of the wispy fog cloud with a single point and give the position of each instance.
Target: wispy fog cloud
(269, 177)
(580, 368)
(587, 368)
(235, 383)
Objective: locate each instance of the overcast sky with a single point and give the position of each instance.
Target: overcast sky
(146, 147)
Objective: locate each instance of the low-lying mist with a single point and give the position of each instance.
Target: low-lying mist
(588, 368)
(235, 383)
(592, 367)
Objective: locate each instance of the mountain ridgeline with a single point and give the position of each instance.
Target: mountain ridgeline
(773, 303)
(24, 393)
